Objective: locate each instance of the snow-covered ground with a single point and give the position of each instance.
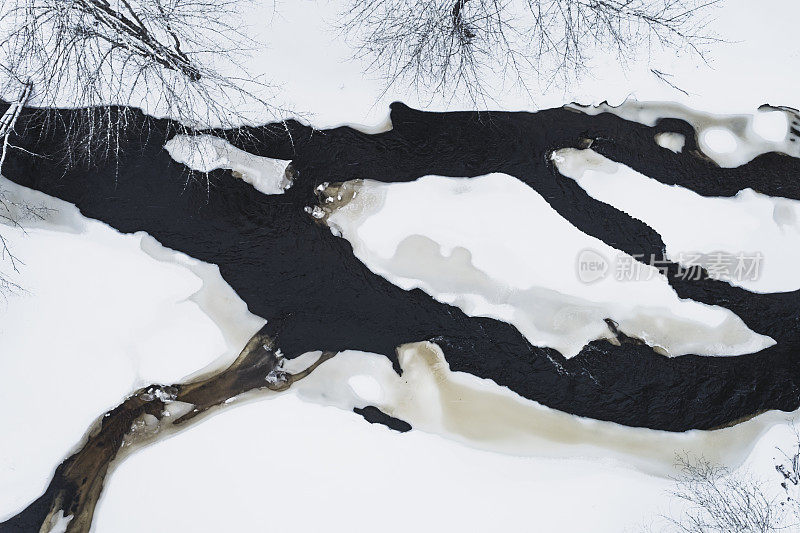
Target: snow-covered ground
(105, 313)
(730, 140)
(99, 318)
(312, 72)
(239, 472)
(112, 312)
(290, 465)
(102, 316)
(494, 247)
(312, 66)
(763, 230)
(205, 153)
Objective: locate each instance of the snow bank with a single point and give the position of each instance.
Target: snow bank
(550, 460)
(21, 205)
(330, 88)
(749, 223)
(99, 319)
(205, 153)
(479, 413)
(112, 312)
(492, 246)
(671, 141)
(729, 140)
(745, 69)
(290, 465)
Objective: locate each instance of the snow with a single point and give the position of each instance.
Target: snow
(480, 414)
(312, 75)
(106, 313)
(303, 467)
(729, 140)
(123, 311)
(771, 125)
(671, 141)
(100, 318)
(367, 388)
(354, 475)
(60, 522)
(718, 140)
(205, 153)
(749, 223)
(442, 235)
(322, 82)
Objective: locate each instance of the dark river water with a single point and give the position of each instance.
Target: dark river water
(291, 270)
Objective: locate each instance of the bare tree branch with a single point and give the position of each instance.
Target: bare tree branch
(452, 46)
(170, 57)
(12, 212)
(663, 76)
(717, 500)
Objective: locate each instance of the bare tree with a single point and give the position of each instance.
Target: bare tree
(178, 58)
(454, 45)
(12, 211)
(718, 500)
(789, 470)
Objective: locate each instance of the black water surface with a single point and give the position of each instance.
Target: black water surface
(373, 415)
(291, 270)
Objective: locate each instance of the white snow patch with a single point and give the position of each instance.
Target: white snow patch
(205, 153)
(493, 246)
(479, 413)
(381, 126)
(729, 140)
(549, 459)
(671, 141)
(106, 318)
(749, 223)
(328, 470)
(217, 300)
(52, 213)
(59, 522)
(367, 388)
(771, 125)
(100, 299)
(717, 140)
